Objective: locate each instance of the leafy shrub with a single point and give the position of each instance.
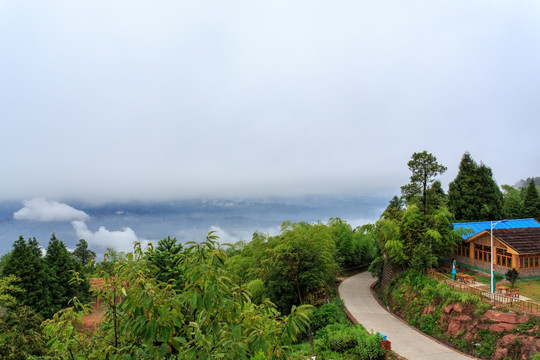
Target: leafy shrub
(481, 308)
(20, 334)
(376, 267)
(346, 341)
(486, 340)
(330, 313)
(369, 347)
(341, 341)
(461, 344)
(257, 290)
(512, 275)
(427, 324)
(414, 319)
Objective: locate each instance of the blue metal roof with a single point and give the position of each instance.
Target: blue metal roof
(479, 226)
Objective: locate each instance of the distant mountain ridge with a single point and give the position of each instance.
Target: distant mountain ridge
(521, 183)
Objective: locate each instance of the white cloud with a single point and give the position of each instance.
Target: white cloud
(47, 210)
(230, 238)
(119, 240)
(241, 235)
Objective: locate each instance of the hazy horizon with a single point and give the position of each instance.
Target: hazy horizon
(118, 225)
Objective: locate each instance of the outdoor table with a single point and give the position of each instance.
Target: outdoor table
(513, 293)
(502, 288)
(461, 276)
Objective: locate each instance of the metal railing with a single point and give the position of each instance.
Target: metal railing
(511, 302)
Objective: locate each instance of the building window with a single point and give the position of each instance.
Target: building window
(464, 250)
(482, 253)
(504, 258)
(530, 262)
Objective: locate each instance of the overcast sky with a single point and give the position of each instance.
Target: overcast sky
(152, 100)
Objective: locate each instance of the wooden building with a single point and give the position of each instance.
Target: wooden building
(516, 243)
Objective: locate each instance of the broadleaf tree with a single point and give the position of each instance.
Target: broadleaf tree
(512, 203)
(211, 317)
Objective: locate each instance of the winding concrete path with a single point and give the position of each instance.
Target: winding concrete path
(405, 341)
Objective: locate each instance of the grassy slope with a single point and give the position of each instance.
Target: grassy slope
(530, 289)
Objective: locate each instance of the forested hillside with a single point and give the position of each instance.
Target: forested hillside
(198, 300)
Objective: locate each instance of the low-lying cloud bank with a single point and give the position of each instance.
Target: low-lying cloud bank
(47, 210)
(119, 240)
(43, 210)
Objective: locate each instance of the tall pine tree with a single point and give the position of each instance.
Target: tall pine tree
(83, 253)
(462, 200)
(436, 198)
(26, 263)
(531, 202)
(63, 265)
(424, 168)
(474, 195)
(489, 193)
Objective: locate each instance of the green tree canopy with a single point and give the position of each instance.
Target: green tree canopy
(395, 208)
(354, 247)
(424, 168)
(164, 260)
(20, 334)
(8, 288)
(436, 198)
(63, 266)
(211, 317)
(27, 264)
(512, 203)
(83, 253)
(474, 195)
(531, 201)
(301, 264)
(490, 194)
(417, 240)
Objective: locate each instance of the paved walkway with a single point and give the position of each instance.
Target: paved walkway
(405, 341)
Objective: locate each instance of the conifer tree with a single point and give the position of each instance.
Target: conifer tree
(436, 198)
(164, 259)
(27, 264)
(63, 265)
(531, 202)
(395, 208)
(424, 168)
(489, 193)
(83, 254)
(474, 195)
(462, 199)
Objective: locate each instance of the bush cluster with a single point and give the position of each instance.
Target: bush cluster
(335, 337)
